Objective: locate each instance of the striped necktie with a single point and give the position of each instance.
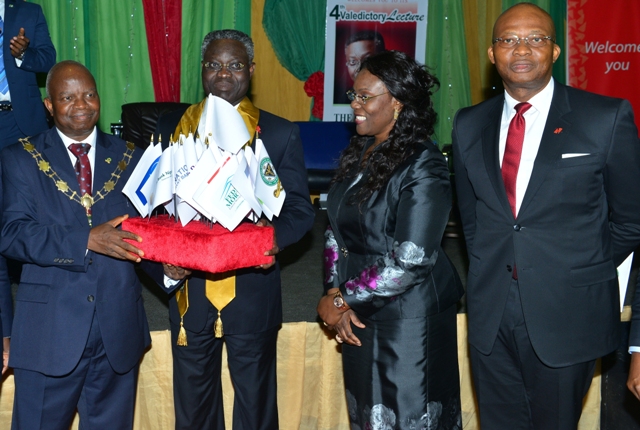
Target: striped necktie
(4, 84)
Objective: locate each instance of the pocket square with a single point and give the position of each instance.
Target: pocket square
(573, 155)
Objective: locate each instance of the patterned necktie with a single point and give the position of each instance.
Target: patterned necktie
(4, 84)
(512, 153)
(83, 172)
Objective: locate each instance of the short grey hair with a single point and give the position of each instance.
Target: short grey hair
(60, 65)
(229, 34)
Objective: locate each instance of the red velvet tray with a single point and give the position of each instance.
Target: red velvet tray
(198, 246)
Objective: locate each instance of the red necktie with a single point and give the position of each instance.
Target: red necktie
(83, 172)
(512, 153)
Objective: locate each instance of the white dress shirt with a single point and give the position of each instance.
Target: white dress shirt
(535, 119)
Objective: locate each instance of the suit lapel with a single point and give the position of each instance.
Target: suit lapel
(58, 156)
(490, 151)
(550, 149)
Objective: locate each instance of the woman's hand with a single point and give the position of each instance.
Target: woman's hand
(339, 319)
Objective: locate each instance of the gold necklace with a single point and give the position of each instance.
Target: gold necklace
(86, 200)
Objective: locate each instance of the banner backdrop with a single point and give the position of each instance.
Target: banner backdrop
(603, 41)
(356, 30)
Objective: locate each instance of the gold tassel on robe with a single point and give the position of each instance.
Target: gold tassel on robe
(182, 298)
(220, 289)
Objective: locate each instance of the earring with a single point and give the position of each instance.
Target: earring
(396, 112)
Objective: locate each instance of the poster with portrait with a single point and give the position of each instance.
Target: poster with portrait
(357, 29)
(604, 50)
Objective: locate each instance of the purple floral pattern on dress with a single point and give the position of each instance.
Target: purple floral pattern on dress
(366, 280)
(330, 256)
(393, 273)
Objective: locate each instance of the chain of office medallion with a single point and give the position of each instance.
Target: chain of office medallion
(63, 187)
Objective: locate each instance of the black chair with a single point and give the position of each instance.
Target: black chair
(139, 119)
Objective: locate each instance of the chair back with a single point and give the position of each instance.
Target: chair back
(139, 119)
(322, 143)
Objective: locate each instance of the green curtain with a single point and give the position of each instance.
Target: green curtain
(558, 12)
(296, 31)
(110, 39)
(447, 57)
(199, 18)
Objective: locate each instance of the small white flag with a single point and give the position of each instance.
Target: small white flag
(218, 196)
(164, 181)
(268, 188)
(141, 184)
(242, 182)
(190, 153)
(224, 124)
(187, 188)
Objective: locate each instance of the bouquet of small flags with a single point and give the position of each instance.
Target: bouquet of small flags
(213, 175)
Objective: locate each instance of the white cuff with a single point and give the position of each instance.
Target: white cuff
(168, 283)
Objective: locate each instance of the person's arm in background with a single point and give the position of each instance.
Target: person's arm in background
(37, 50)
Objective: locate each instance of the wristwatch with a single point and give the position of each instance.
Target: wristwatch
(338, 300)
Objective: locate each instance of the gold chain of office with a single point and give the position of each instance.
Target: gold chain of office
(86, 201)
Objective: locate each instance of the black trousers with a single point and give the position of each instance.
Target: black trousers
(515, 390)
(197, 387)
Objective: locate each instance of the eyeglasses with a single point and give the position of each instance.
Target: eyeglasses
(351, 95)
(534, 41)
(214, 66)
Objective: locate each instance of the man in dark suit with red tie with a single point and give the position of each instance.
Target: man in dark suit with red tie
(547, 179)
(80, 327)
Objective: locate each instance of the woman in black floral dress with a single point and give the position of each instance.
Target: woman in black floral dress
(391, 290)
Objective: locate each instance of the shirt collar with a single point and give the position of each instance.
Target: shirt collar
(540, 102)
(91, 139)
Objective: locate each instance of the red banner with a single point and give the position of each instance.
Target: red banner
(603, 39)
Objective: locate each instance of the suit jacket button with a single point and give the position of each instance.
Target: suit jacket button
(56, 260)
(516, 227)
(91, 261)
(71, 261)
(509, 268)
(90, 299)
